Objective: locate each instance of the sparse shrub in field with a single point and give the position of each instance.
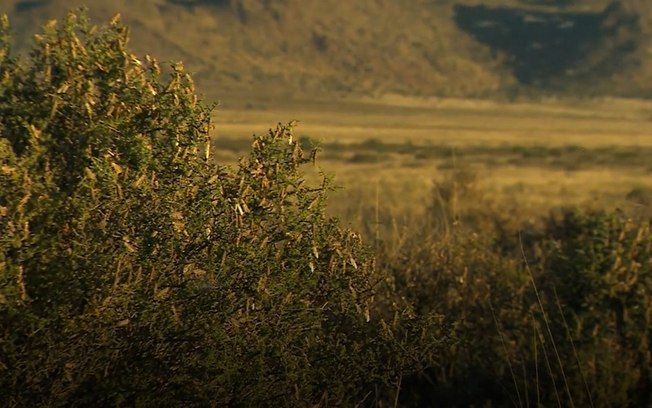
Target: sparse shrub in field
(640, 200)
(459, 202)
(640, 196)
(451, 193)
(135, 272)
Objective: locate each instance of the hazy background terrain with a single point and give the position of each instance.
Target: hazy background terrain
(322, 48)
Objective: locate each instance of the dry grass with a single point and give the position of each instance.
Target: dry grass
(510, 148)
(607, 122)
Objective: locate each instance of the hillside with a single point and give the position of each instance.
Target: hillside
(318, 48)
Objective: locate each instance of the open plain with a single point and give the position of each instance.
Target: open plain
(526, 157)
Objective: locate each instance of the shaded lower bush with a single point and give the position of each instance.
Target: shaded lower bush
(555, 315)
(595, 273)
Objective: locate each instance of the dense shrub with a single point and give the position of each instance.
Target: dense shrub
(557, 315)
(595, 274)
(134, 271)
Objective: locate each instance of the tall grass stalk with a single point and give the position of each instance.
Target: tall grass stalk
(536, 359)
(509, 363)
(575, 354)
(398, 390)
(545, 320)
(549, 367)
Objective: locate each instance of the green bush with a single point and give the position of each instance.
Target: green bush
(136, 272)
(595, 274)
(557, 315)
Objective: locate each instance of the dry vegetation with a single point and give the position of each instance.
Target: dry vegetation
(499, 255)
(526, 158)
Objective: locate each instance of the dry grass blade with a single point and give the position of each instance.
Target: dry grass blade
(546, 321)
(509, 363)
(577, 357)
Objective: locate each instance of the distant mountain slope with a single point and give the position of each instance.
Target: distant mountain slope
(314, 48)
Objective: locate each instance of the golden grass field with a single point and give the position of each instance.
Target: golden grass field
(523, 157)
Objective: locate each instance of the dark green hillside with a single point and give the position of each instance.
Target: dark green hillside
(561, 48)
(542, 46)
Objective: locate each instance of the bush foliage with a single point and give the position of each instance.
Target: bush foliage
(558, 315)
(135, 271)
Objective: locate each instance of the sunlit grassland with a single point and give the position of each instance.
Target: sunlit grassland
(519, 159)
